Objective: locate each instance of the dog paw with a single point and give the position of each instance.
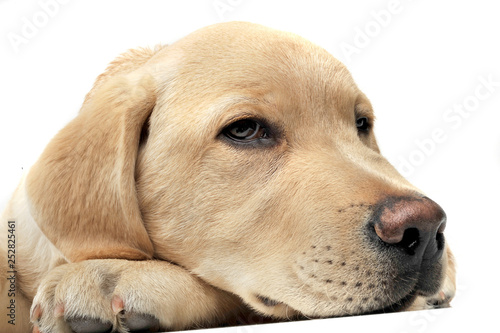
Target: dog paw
(442, 299)
(121, 296)
(81, 297)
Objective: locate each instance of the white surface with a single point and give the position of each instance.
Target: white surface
(416, 64)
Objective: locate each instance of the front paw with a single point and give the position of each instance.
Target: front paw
(81, 297)
(122, 296)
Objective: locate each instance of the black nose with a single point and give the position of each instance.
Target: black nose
(412, 226)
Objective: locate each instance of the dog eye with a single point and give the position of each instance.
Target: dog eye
(362, 124)
(245, 131)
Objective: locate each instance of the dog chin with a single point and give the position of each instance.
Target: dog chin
(398, 306)
(280, 310)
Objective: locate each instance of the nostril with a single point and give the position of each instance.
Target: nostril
(410, 241)
(440, 241)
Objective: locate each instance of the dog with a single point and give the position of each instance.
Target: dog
(234, 171)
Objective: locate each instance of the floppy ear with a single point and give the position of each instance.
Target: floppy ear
(82, 189)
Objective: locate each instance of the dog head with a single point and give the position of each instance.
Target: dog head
(247, 156)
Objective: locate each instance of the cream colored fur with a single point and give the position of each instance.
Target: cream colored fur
(187, 228)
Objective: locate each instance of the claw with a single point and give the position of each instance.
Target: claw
(59, 310)
(36, 314)
(117, 304)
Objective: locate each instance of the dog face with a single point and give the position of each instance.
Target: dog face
(269, 178)
(257, 169)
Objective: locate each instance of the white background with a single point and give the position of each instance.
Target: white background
(426, 58)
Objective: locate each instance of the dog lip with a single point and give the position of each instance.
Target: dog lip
(267, 301)
(400, 305)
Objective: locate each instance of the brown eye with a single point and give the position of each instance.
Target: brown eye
(245, 131)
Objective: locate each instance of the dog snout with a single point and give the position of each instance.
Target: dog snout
(412, 225)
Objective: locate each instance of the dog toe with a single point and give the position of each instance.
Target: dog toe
(141, 322)
(89, 325)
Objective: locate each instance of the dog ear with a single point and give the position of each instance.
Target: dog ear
(82, 189)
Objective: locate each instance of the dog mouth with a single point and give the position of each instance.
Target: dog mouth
(401, 305)
(267, 301)
(273, 308)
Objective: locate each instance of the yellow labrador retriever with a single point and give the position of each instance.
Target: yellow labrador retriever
(235, 169)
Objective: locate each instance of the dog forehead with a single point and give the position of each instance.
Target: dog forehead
(244, 59)
(253, 54)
